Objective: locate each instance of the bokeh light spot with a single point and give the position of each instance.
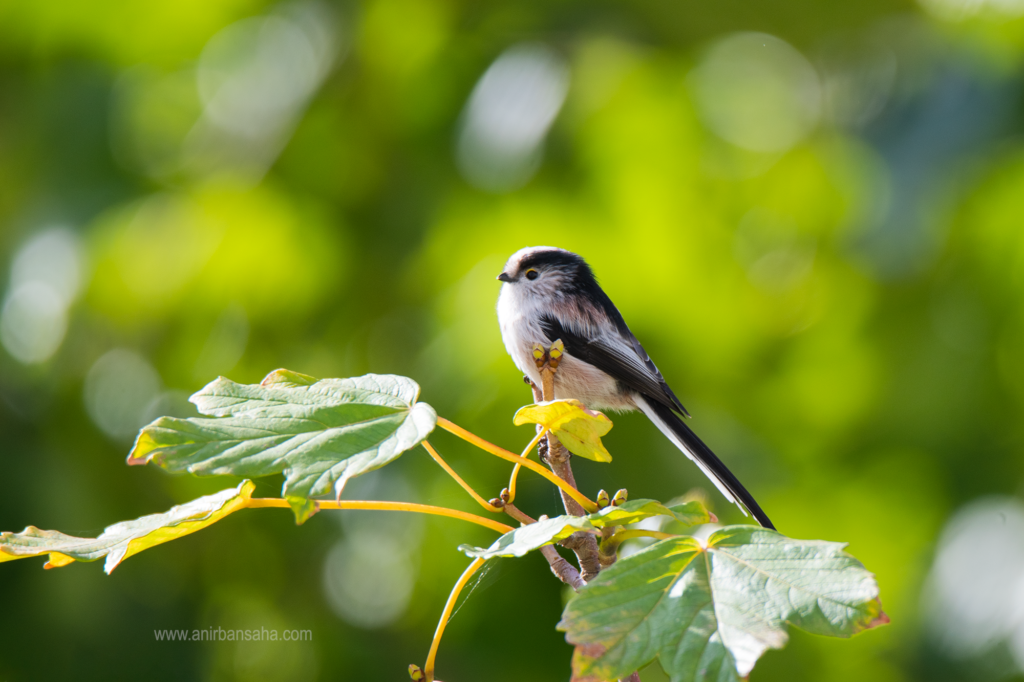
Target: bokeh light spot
(32, 323)
(500, 145)
(46, 276)
(369, 579)
(53, 257)
(974, 597)
(118, 389)
(757, 92)
(254, 73)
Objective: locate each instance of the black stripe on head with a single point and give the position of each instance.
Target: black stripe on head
(580, 278)
(565, 260)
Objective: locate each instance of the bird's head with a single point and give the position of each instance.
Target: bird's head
(545, 269)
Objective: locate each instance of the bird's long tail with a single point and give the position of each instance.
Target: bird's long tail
(693, 447)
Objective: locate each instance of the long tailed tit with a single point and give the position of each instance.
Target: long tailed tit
(549, 294)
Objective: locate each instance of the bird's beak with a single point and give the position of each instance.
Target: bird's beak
(504, 277)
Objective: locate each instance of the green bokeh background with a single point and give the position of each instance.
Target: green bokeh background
(842, 314)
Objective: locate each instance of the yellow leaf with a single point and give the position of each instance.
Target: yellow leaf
(576, 427)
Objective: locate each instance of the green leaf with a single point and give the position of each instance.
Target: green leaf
(533, 536)
(689, 514)
(527, 538)
(122, 540)
(576, 427)
(709, 611)
(319, 434)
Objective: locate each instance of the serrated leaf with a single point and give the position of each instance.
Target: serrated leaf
(576, 427)
(319, 434)
(122, 540)
(524, 539)
(709, 611)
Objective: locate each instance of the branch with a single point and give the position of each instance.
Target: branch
(584, 545)
(562, 569)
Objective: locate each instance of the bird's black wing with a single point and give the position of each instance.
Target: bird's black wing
(627, 362)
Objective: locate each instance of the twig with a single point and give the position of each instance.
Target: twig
(518, 515)
(584, 545)
(562, 569)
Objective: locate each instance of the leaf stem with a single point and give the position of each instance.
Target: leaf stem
(260, 502)
(515, 470)
(624, 535)
(458, 479)
(428, 669)
(610, 545)
(476, 440)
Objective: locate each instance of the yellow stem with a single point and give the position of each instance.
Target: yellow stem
(260, 502)
(458, 479)
(515, 470)
(476, 440)
(428, 669)
(623, 535)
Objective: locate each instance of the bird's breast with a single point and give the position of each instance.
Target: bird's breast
(591, 386)
(519, 318)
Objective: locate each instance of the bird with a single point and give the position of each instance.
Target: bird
(547, 294)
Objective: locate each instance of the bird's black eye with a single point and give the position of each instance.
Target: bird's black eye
(531, 274)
